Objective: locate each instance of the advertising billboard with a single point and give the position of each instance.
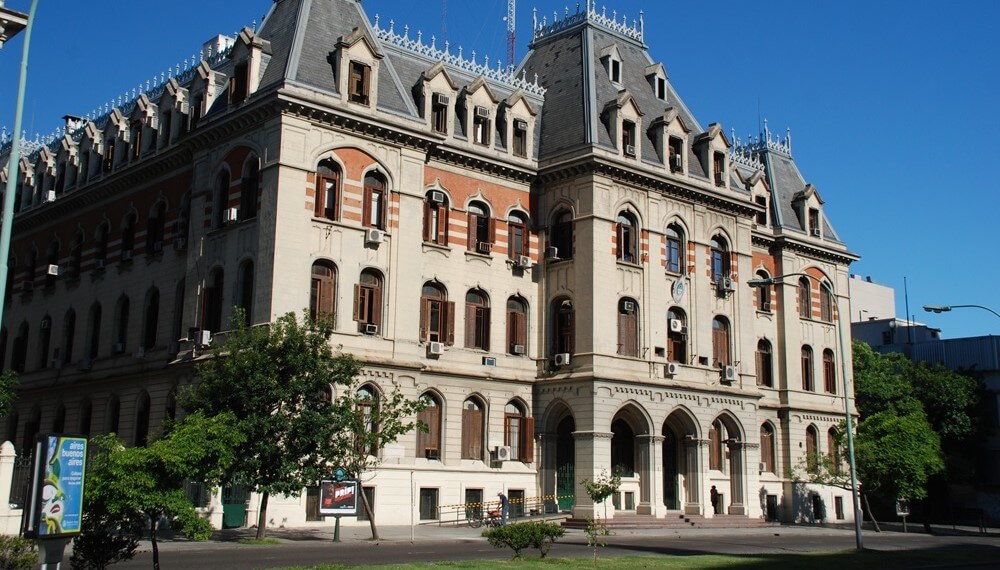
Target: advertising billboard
(338, 498)
(56, 500)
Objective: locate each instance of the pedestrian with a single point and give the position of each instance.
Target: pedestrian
(714, 493)
(503, 508)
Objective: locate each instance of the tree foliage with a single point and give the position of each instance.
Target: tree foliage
(518, 536)
(8, 391)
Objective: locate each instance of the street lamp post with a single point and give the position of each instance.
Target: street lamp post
(946, 308)
(847, 400)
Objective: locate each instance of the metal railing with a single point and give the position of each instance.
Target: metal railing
(528, 507)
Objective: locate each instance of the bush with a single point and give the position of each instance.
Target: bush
(517, 537)
(17, 553)
(98, 548)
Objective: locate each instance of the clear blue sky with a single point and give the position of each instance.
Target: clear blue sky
(892, 105)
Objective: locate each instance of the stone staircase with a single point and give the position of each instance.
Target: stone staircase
(673, 521)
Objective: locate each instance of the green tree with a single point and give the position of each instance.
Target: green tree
(897, 454)
(8, 391)
(129, 488)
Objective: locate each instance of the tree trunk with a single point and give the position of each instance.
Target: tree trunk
(371, 514)
(870, 515)
(152, 538)
(262, 516)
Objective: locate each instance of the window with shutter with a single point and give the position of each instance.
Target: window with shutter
(368, 298)
(677, 339)
(517, 329)
(719, 254)
(563, 333)
(477, 320)
(527, 454)
(628, 328)
(675, 249)
(436, 221)
(720, 343)
(767, 447)
(714, 448)
(805, 298)
(472, 429)
(374, 207)
(829, 372)
(514, 426)
(429, 441)
(327, 190)
(517, 236)
(360, 79)
(323, 286)
(807, 369)
(765, 373)
(812, 448)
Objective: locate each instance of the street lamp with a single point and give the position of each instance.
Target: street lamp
(847, 400)
(946, 308)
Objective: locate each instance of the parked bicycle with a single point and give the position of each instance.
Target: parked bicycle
(488, 518)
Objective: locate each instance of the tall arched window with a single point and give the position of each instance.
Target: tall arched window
(20, 349)
(121, 325)
(69, 334)
(482, 228)
(220, 200)
(86, 413)
(111, 415)
(627, 236)
(564, 326)
(323, 289)
(473, 420)
(94, 331)
(128, 238)
(517, 326)
(825, 305)
(832, 436)
(519, 432)
(101, 246)
(142, 421)
(812, 449)
(212, 305)
(29, 270)
(765, 364)
(767, 451)
(76, 256)
(808, 383)
(716, 435)
(437, 315)
(155, 229)
(368, 408)
(436, 217)
(178, 322)
(245, 291)
(763, 293)
(805, 298)
(477, 320)
(373, 211)
(719, 255)
(249, 188)
(59, 421)
(517, 235)
(628, 327)
(151, 319)
(561, 235)
(676, 335)
(829, 372)
(44, 342)
(622, 448)
(327, 190)
(721, 353)
(368, 302)
(429, 442)
(675, 249)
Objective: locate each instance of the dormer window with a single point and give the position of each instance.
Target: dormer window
(109, 155)
(481, 126)
(360, 83)
(660, 88)
(676, 158)
(615, 70)
(628, 138)
(166, 124)
(195, 113)
(137, 139)
(814, 228)
(439, 113)
(761, 216)
(239, 83)
(520, 138)
(719, 168)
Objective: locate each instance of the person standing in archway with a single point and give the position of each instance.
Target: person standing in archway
(714, 494)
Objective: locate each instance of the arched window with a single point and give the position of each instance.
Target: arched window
(220, 200)
(142, 421)
(561, 236)
(832, 436)
(765, 364)
(763, 293)
(128, 238)
(76, 256)
(151, 318)
(622, 448)
(721, 353)
(212, 305)
(86, 413)
(517, 326)
(183, 222)
(627, 235)
(44, 341)
(519, 432)
(20, 349)
(429, 442)
(94, 331)
(676, 335)
(716, 435)
(249, 188)
(767, 452)
(368, 407)
(805, 298)
(154, 232)
(812, 449)
(564, 326)
(178, 322)
(327, 190)
(111, 415)
(825, 304)
(101, 246)
(477, 320)
(373, 211)
(436, 217)
(482, 228)
(245, 291)
(473, 420)
(59, 421)
(437, 315)
(29, 270)
(368, 302)
(121, 326)
(719, 254)
(675, 249)
(323, 290)
(829, 372)
(69, 334)
(628, 327)
(807, 369)
(517, 235)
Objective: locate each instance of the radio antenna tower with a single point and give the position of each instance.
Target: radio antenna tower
(511, 62)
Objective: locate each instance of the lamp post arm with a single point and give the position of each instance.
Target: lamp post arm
(983, 307)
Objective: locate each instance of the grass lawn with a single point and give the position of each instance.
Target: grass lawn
(814, 561)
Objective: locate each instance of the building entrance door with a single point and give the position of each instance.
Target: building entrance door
(671, 491)
(234, 506)
(565, 464)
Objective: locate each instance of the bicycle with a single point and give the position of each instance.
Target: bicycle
(489, 518)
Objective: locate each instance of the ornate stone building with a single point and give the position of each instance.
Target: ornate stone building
(555, 257)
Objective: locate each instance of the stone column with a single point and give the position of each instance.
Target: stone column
(593, 456)
(651, 475)
(737, 477)
(692, 475)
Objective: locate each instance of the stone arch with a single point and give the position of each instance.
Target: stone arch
(681, 461)
(631, 453)
(558, 467)
(731, 441)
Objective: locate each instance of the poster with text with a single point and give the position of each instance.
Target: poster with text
(57, 500)
(338, 498)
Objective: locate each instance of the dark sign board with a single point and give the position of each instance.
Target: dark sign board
(338, 498)
(55, 509)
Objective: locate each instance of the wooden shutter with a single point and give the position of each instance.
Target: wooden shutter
(375, 316)
(472, 434)
(486, 328)
(448, 307)
(473, 219)
(359, 295)
(520, 329)
(366, 207)
(767, 450)
(470, 326)
(511, 330)
(326, 294)
(434, 428)
(442, 224)
(527, 439)
(365, 81)
(428, 208)
(492, 229)
(714, 448)
(571, 332)
(423, 437)
(425, 315)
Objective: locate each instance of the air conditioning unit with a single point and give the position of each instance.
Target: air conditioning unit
(371, 329)
(725, 285)
(435, 348)
(482, 113)
(672, 368)
(489, 361)
(761, 467)
(766, 307)
(180, 243)
(203, 339)
(523, 261)
(676, 325)
(552, 252)
(53, 270)
(157, 246)
(484, 247)
(502, 452)
(815, 232)
(374, 235)
(126, 255)
(676, 163)
(629, 150)
(50, 196)
(520, 124)
(728, 373)
(441, 99)
(561, 359)
(435, 197)
(629, 306)
(99, 264)
(140, 352)
(119, 347)
(519, 349)
(231, 216)
(432, 453)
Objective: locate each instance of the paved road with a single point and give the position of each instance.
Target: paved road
(451, 544)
